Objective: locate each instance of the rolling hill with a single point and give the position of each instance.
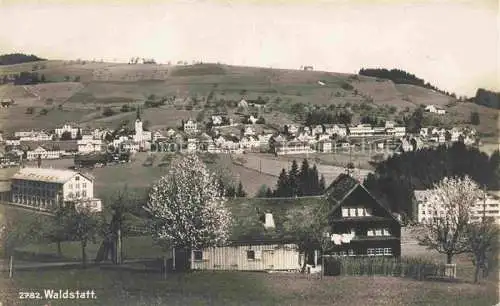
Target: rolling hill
(77, 91)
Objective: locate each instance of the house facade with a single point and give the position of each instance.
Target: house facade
(488, 206)
(50, 188)
(67, 128)
(360, 225)
(44, 153)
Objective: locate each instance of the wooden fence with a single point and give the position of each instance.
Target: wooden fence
(389, 266)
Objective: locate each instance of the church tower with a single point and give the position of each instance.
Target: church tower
(138, 127)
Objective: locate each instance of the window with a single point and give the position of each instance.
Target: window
(351, 252)
(387, 251)
(78, 194)
(70, 186)
(84, 193)
(77, 178)
(370, 252)
(345, 212)
(361, 211)
(77, 186)
(251, 255)
(378, 232)
(386, 232)
(198, 255)
(368, 212)
(370, 232)
(352, 212)
(379, 251)
(84, 185)
(342, 253)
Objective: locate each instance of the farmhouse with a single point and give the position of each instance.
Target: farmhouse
(50, 188)
(88, 144)
(435, 110)
(190, 126)
(360, 224)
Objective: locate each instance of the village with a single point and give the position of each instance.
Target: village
(222, 135)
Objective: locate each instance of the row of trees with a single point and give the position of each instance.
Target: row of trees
(316, 117)
(396, 178)
(487, 98)
(296, 182)
(399, 76)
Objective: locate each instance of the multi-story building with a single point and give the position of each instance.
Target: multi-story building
(51, 188)
(43, 152)
(67, 128)
(190, 126)
(488, 206)
(361, 130)
(293, 148)
(89, 144)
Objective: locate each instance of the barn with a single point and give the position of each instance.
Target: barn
(263, 255)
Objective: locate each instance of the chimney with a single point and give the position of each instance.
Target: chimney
(269, 221)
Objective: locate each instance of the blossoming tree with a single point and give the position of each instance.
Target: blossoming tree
(450, 203)
(186, 207)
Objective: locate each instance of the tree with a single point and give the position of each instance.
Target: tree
(293, 179)
(66, 135)
(307, 225)
(186, 207)
(125, 108)
(414, 123)
(261, 193)
(108, 111)
(482, 237)
(81, 224)
(282, 187)
(43, 112)
(474, 118)
(240, 193)
(450, 201)
(77, 78)
(304, 178)
(42, 78)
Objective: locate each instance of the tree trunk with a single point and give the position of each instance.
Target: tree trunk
(449, 257)
(84, 254)
(476, 274)
(303, 269)
(59, 249)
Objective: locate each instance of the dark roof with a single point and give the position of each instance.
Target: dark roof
(341, 187)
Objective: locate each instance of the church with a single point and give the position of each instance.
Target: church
(141, 137)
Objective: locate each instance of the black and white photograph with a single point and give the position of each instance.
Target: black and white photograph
(250, 152)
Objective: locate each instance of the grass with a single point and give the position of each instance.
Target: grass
(140, 247)
(120, 287)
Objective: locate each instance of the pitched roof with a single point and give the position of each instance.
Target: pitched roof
(341, 187)
(46, 175)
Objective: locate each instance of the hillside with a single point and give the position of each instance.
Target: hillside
(78, 91)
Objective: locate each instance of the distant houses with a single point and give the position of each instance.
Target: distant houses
(435, 110)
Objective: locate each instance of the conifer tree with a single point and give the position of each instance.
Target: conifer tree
(304, 183)
(293, 176)
(240, 193)
(282, 188)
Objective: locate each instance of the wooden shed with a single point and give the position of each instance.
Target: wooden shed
(265, 255)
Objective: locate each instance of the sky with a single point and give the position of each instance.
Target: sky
(454, 44)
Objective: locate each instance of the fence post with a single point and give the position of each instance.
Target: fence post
(11, 260)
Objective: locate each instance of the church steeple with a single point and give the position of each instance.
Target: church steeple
(138, 113)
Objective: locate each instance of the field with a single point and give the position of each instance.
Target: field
(141, 287)
(138, 177)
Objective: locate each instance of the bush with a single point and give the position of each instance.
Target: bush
(108, 112)
(30, 110)
(347, 86)
(43, 112)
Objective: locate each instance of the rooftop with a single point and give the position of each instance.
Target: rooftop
(45, 175)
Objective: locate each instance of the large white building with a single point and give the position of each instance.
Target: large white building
(44, 153)
(490, 207)
(89, 144)
(67, 128)
(50, 188)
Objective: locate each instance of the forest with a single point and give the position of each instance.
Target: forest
(18, 58)
(399, 76)
(487, 98)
